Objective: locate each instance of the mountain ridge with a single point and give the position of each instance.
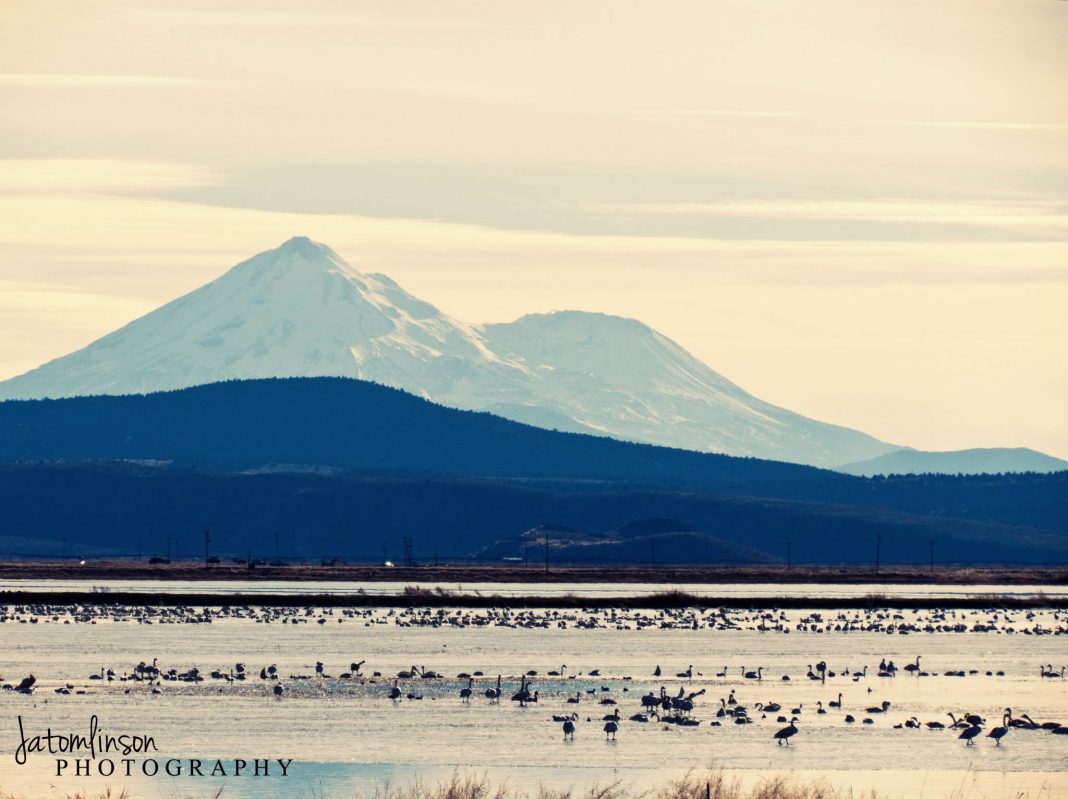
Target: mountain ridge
(977, 460)
(300, 310)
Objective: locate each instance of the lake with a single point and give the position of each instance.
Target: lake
(347, 734)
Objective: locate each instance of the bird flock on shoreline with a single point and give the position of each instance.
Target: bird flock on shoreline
(680, 708)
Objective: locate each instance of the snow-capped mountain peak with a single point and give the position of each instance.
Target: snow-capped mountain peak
(302, 310)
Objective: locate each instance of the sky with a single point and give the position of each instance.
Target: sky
(858, 211)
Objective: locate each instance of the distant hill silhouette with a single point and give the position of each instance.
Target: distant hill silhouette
(351, 425)
(966, 461)
(644, 541)
(130, 508)
(349, 467)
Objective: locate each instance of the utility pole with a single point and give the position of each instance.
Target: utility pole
(789, 554)
(878, 550)
(207, 542)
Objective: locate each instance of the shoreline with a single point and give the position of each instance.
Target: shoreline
(130, 569)
(416, 598)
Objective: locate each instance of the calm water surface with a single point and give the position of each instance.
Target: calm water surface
(606, 590)
(346, 735)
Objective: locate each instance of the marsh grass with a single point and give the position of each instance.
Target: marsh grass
(460, 785)
(712, 784)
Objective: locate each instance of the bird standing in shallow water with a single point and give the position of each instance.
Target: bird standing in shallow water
(610, 729)
(970, 734)
(1000, 732)
(786, 733)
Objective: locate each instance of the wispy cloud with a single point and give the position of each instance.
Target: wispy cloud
(90, 175)
(1032, 215)
(714, 112)
(978, 125)
(45, 80)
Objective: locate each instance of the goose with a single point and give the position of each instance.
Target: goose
(1024, 722)
(837, 704)
(935, 725)
(569, 729)
(755, 675)
(278, 690)
(558, 718)
(494, 694)
(610, 728)
(688, 674)
(879, 708)
(786, 733)
(1000, 732)
(523, 694)
(465, 693)
(574, 700)
(914, 668)
(970, 734)
(395, 692)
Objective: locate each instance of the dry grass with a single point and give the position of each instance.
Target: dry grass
(694, 785)
(713, 784)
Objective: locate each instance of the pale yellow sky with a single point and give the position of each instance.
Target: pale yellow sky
(854, 210)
